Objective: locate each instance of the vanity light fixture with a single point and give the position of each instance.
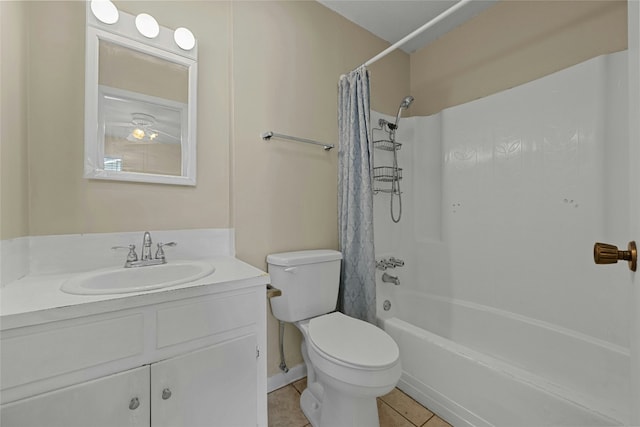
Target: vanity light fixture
(105, 11)
(147, 25)
(184, 38)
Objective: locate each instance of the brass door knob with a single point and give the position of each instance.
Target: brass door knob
(604, 253)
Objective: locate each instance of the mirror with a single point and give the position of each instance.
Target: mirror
(140, 105)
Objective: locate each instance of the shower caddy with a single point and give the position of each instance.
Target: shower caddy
(386, 174)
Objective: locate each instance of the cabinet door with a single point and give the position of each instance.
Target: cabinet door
(105, 402)
(216, 386)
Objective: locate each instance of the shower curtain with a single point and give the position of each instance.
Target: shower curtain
(355, 197)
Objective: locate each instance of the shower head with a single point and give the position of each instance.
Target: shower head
(406, 102)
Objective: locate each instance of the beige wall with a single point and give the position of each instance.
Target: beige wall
(62, 201)
(14, 203)
(512, 43)
(285, 193)
(59, 201)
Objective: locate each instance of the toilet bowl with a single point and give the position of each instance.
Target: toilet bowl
(352, 362)
(349, 362)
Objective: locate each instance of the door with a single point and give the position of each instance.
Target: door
(634, 180)
(216, 386)
(117, 400)
(632, 279)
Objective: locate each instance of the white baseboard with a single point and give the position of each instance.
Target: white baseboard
(282, 379)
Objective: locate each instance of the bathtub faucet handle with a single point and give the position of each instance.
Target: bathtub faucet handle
(381, 265)
(397, 262)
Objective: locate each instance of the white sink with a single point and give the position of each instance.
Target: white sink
(119, 280)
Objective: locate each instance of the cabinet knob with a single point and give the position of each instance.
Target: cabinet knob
(166, 393)
(134, 403)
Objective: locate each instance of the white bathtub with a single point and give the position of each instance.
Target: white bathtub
(481, 367)
(501, 316)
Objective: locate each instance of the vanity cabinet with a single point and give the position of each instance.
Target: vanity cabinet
(209, 387)
(104, 402)
(180, 384)
(193, 361)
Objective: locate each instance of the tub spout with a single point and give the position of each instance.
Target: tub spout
(390, 279)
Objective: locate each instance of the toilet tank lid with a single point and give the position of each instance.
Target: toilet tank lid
(288, 259)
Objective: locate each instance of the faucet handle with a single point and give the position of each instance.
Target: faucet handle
(131, 256)
(397, 262)
(381, 265)
(160, 251)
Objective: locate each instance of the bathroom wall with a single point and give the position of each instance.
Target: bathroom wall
(47, 57)
(61, 200)
(14, 203)
(285, 193)
(527, 40)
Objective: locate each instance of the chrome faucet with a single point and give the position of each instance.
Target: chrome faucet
(390, 279)
(145, 254)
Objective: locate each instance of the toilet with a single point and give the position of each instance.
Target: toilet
(349, 362)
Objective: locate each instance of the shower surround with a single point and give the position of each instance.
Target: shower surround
(501, 316)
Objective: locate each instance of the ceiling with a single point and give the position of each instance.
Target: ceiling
(391, 20)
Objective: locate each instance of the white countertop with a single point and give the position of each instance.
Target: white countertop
(36, 299)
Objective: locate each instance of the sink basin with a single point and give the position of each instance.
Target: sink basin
(119, 280)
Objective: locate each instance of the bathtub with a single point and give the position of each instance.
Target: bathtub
(477, 366)
(501, 316)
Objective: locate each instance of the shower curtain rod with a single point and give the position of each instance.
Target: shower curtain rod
(408, 37)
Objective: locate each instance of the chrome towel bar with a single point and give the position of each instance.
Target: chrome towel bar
(268, 135)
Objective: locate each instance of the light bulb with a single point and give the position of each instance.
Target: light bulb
(184, 38)
(147, 25)
(105, 11)
(138, 133)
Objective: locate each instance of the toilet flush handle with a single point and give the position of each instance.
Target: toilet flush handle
(289, 269)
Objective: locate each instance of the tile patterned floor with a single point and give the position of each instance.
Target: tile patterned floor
(395, 409)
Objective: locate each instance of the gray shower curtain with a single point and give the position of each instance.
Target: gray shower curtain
(355, 197)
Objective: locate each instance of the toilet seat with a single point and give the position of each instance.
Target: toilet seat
(352, 343)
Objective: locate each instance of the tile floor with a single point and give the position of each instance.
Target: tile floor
(395, 409)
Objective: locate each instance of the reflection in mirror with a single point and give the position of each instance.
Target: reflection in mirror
(140, 109)
(142, 133)
(142, 113)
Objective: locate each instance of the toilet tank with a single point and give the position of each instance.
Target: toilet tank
(309, 281)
